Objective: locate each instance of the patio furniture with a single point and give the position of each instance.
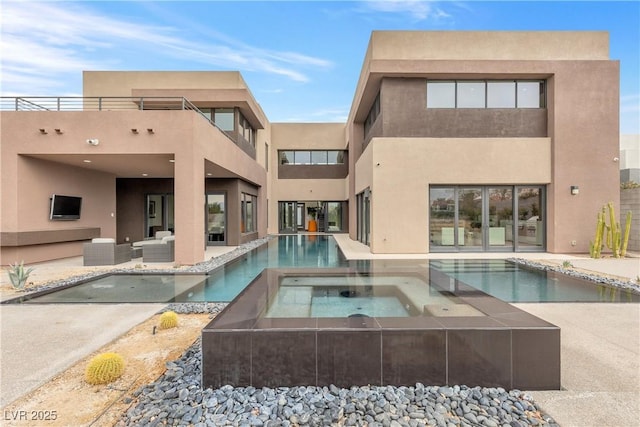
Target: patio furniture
(136, 251)
(105, 251)
(152, 240)
(162, 251)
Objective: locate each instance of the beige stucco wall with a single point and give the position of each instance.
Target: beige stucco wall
(582, 111)
(487, 45)
(308, 136)
(182, 135)
(401, 170)
(121, 83)
(36, 181)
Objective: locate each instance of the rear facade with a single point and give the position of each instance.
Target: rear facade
(456, 141)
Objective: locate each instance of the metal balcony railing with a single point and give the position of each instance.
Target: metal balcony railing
(102, 103)
(97, 103)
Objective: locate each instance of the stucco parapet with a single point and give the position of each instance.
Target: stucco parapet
(483, 45)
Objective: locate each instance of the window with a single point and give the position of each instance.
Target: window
(223, 118)
(485, 94)
(206, 112)
(441, 95)
(530, 94)
(318, 157)
(286, 157)
(374, 112)
(501, 94)
(248, 209)
(302, 157)
(246, 130)
(335, 157)
(315, 157)
(470, 95)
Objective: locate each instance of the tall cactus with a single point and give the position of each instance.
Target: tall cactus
(610, 234)
(627, 231)
(613, 238)
(595, 247)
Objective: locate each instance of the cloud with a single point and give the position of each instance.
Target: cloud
(630, 103)
(323, 115)
(42, 43)
(419, 10)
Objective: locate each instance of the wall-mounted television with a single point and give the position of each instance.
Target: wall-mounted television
(64, 208)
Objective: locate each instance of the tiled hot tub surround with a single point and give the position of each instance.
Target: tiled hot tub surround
(506, 347)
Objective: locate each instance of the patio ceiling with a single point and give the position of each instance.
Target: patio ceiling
(131, 165)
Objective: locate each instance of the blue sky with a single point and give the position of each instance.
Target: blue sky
(301, 59)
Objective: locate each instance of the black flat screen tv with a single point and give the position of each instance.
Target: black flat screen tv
(65, 208)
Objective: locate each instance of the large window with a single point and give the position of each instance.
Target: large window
(485, 94)
(311, 157)
(223, 118)
(248, 211)
(470, 95)
(246, 130)
(486, 218)
(441, 94)
(501, 94)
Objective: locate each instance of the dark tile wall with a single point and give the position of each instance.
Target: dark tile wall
(507, 347)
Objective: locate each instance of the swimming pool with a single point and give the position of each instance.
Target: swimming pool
(502, 279)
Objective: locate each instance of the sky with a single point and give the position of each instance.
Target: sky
(300, 59)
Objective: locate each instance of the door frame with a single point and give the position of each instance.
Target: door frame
(225, 234)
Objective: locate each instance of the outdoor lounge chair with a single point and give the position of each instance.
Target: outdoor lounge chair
(159, 252)
(105, 251)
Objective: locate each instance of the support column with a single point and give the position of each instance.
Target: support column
(189, 206)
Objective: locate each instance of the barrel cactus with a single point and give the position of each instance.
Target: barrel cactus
(168, 319)
(104, 368)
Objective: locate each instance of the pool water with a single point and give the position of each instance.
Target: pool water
(499, 278)
(514, 283)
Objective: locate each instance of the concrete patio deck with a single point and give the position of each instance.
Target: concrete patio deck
(600, 342)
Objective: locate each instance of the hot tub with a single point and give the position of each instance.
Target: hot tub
(381, 326)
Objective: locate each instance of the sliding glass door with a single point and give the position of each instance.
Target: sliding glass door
(486, 218)
(216, 219)
(530, 220)
(158, 214)
(500, 218)
(470, 218)
(287, 221)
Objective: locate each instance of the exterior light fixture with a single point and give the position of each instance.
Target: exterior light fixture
(134, 130)
(575, 190)
(149, 130)
(87, 161)
(172, 160)
(145, 174)
(43, 131)
(93, 141)
(59, 131)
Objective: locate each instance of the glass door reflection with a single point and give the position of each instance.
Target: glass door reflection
(216, 219)
(470, 218)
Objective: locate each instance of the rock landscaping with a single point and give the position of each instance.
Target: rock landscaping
(569, 271)
(177, 398)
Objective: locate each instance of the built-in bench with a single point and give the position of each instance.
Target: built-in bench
(41, 237)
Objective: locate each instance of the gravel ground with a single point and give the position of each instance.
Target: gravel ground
(569, 271)
(177, 398)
